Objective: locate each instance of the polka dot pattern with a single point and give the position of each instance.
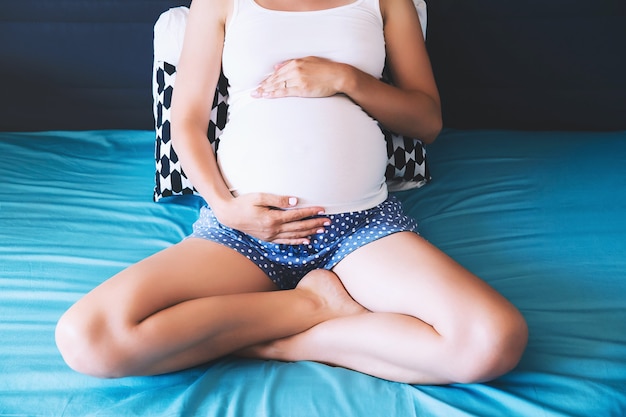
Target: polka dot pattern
(285, 265)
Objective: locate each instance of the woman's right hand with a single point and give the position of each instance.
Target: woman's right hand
(272, 218)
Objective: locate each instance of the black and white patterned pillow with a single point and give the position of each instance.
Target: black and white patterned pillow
(170, 179)
(407, 166)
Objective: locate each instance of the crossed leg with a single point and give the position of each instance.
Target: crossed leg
(186, 305)
(420, 317)
(429, 321)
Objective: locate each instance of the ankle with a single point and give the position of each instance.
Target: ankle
(313, 305)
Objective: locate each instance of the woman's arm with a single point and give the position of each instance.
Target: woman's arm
(414, 107)
(197, 74)
(410, 107)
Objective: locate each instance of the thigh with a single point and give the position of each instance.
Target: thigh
(403, 273)
(194, 268)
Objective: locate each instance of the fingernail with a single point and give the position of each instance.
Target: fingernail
(321, 213)
(326, 223)
(293, 201)
(320, 231)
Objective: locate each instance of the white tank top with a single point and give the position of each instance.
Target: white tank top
(325, 151)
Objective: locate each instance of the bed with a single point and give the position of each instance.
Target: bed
(528, 191)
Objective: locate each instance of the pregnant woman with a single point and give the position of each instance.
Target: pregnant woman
(300, 253)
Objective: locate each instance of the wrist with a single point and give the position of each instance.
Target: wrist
(347, 79)
(220, 203)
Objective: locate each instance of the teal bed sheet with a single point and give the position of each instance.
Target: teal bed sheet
(541, 216)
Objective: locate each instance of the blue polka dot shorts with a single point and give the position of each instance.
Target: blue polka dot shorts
(285, 265)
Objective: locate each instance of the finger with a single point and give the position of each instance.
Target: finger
(275, 83)
(279, 88)
(292, 242)
(293, 239)
(302, 228)
(278, 83)
(274, 201)
(288, 227)
(281, 64)
(267, 88)
(287, 206)
(298, 233)
(296, 214)
(298, 229)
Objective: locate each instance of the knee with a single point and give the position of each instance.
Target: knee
(491, 348)
(88, 347)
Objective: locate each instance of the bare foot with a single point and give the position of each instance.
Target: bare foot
(325, 287)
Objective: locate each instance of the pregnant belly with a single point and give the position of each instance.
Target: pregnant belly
(326, 152)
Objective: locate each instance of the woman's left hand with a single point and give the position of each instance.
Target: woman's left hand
(303, 77)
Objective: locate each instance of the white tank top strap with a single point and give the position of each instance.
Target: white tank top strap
(374, 5)
(234, 14)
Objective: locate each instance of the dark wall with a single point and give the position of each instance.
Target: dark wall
(77, 64)
(538, 64)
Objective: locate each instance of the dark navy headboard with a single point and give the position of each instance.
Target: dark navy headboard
(532, 64)
(77, 64)
(536, 64)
